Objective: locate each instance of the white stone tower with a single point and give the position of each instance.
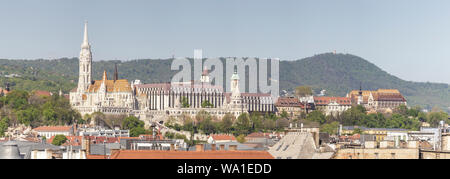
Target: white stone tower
(235, 84)
(85, 72)
(236, 98)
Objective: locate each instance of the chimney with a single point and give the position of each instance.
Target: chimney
(213, 147)
(86, 144)
(199, 147)
(232, 147)
(172, 147)
(222, 147)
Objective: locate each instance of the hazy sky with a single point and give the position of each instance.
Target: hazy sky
(407, 38)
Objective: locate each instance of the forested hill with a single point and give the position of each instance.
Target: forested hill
(336, 73)
(340, 73)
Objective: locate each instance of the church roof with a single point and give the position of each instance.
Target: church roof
(121, 85)
(111, 86)
(378, 95)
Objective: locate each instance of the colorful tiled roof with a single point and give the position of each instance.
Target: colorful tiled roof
(121, 85)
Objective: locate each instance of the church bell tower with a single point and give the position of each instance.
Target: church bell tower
(85, 72)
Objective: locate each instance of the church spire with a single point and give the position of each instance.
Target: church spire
(85, 43)
(85, 63)
(104, 76)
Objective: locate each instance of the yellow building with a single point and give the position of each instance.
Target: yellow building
(380, 133)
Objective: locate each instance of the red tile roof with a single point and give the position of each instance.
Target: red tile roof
(159, 154)
(53, 129)
(42, 93)
(223, 137)
(96, 157)
(288, 102)
(102, 139)
(324, 100)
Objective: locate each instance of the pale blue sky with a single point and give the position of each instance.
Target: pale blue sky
(407, 38)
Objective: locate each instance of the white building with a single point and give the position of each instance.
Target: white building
(215, 139)
(49, 131)
(332, 105)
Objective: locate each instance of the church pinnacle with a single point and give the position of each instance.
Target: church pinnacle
(85, 43)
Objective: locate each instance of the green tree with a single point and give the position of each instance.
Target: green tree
(353, 116)
(433, 118)
(136, 131)
(50, 116)
(330, 128)
(205, 123)
(357, 131)
(132, 122)
(207, 126)
(59, 140)
(226, 124)
(284, 114)
(29, 116)
(256, 121)
(17, 99)
(241, 138)
(302, 91)
(316, 116)
(189, 125)
(4, 124)
(242, 124)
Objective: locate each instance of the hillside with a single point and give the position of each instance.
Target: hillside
(337, 73)
(340, 73)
